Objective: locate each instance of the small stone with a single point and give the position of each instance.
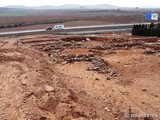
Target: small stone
(108, 78)
(80, 77)
(24, 82)
(107, 109)
(63, 63)
(125, 66)
(87, 39)
(47, 103)
(97, 79)
(48, 88)
(50, 55)
(144, 90)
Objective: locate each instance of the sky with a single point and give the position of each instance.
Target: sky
(122, 3)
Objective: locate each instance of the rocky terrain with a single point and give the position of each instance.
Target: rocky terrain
(92, 77)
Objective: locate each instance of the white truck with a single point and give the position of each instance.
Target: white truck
(57, 27)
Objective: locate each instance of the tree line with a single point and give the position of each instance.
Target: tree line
(146, 30)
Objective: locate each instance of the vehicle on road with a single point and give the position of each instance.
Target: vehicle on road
(57, 27)
(49, 28)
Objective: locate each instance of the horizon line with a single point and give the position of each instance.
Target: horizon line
(83, 5)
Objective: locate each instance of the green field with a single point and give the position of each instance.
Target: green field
(14, 14)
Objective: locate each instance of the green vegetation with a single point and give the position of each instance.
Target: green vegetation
(14, 14)
(13, 25)
(144, 30)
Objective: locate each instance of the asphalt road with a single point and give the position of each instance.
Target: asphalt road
(20, 32)
(78, 29)
(101, 31)
(100, 26)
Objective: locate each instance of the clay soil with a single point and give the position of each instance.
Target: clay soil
(92, 77)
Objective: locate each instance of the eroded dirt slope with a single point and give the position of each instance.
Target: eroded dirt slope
(82, 78)
(31, 88)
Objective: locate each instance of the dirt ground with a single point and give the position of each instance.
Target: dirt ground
(91, 77)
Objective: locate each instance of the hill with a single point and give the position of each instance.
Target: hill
(67, 6)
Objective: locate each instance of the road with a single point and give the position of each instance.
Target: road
(100, 26)
(100, 31)
(20, 32)
(78, 29)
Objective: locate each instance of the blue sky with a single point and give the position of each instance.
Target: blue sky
(123, 3)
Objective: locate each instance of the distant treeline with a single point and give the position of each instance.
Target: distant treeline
(13, 25)
(145, 30)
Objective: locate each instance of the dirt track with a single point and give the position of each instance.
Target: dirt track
(99, 77)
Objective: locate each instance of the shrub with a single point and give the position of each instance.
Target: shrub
(144, 30)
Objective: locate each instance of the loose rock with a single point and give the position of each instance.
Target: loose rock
(48, 88)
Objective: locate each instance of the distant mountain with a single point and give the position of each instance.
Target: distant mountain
(101, 6)
(67, 6)
(70, 6)
(44, 7)
(4, 9)
(75, 6)
(17, 6)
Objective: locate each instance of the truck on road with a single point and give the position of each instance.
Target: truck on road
(57, 27)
